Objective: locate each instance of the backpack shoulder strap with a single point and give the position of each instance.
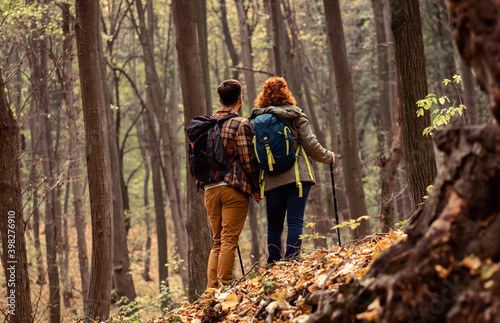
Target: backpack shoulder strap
(227, 117)
(283, 119)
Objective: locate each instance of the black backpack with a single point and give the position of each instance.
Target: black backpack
(207, 158)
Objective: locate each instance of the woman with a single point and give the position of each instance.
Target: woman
(283, 193)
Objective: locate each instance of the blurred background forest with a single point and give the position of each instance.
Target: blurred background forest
(146, 117)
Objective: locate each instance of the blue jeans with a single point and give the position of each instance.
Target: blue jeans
(281, 201)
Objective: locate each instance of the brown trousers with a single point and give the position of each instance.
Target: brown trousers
(227, 210)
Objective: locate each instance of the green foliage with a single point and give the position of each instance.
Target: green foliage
(401, 223)
(352, 224)
(443, 114)
(311, 236)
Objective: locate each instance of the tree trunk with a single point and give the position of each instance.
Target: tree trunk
(147, 172)
(246, 54)
(122, 279)
(276, 23)
(49, 165)
(471, 113)
(74, 157)
(383, 71)
(200, 8)
(412, 86)
(98, 158)
(193, 97)
(34, 191)
(348, 132)
(228, 40)
(388, 168)
(66, 281)
(12, 225)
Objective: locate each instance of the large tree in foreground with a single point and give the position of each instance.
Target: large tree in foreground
(348, 133)
(12, 226)
(447, 269)
(418, 151)
(193, 99)
(98, 158)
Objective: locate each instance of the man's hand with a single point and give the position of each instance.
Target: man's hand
(256, 197)
(333, 158)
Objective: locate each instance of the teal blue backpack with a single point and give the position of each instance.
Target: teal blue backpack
(274, 149)
(273, 143)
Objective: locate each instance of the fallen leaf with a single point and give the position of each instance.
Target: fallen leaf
(231, 302)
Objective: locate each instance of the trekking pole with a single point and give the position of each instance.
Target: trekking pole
(335, 204)
(241, 261)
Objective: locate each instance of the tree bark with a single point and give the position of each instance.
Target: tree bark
(383, 71)
(74, 156)
(200, 8)
(12, 225)
(471, 113)
(276, 23)
(98, 159)
(246, 55)
(348, 132)
(228, 39)
(193, 97)
(123, 282)
(412, 86)
(49, 165)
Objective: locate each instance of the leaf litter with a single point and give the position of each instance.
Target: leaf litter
(288, 291)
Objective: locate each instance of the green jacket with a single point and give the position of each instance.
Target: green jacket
(301, 135)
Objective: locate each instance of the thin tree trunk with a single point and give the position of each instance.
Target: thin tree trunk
(200, 7)
(246, 55)
(66, 282)
(12, 225)
(228, 39)
(74, 158)
(276, 22)
(193, 97)
(122, 280)
(383, 71)
(98, 159)
(147, 172)
(348, 133)
(34, 191)
(471, 113)
(51, 200)
(410, 62)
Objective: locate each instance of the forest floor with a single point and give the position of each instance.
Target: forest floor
(288, 291)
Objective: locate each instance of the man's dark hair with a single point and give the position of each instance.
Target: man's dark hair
(229, 91)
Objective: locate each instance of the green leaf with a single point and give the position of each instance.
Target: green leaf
(436, 120)
(430, 95)
(442, 100)
(446, 81)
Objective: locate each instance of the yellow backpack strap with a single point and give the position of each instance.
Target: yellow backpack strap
(287, 143)
(307, 162)
(270, 157)
(262, 183)
(255, 148)
(297, 176)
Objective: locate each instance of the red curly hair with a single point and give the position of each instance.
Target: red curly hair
(274, 92)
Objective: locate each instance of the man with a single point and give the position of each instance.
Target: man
(227, 201)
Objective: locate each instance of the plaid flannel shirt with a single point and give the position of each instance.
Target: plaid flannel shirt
(237, 135)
